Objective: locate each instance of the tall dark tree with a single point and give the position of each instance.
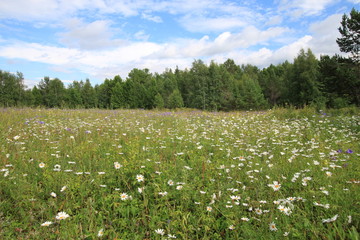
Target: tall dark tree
(88, 95)
(11, 88)
(56, 93)
(349, 41)
(304, 87)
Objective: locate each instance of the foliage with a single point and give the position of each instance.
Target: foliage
(349, 41)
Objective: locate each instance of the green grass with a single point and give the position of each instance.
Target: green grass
(208, 156)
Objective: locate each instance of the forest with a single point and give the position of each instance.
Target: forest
(331, 81)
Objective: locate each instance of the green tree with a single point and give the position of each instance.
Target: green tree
(73, 95)
(159, 101)
(38, 100)
(88, 95)
(11, 89)
(117, 96)
(198, 87)
(271, 80)
(349, 41)
(175, 99)
(56, 93)
(251, 96)
(304, 87)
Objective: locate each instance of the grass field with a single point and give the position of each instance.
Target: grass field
(135, 174)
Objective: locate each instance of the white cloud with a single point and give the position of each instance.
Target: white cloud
(205, 24)
(136, 54)
(150, 17)
(141, 35)
(324, 35)
(296, 8)
(94, 35)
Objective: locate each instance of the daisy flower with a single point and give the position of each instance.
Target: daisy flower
(117, 165)
(272, 227)
(170, 182)
(208, 208)
(46, 224)
(330, 219)
(258, 211)
(231, 227)
(101, 232)
(275, 185)
(160, 231)
(63, 189)
(124, 196)
(179, 187)
(53, 194)
(245, 219)
(41, 165)
(62, 215)
(237, 198)
(140, 178)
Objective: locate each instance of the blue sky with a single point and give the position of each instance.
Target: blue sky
(98, 39)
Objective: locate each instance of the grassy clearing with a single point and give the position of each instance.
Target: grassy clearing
(133, 174)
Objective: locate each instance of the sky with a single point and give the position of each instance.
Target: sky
(99, 39)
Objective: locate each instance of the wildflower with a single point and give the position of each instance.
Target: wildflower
(231, 227)
(286, 234)
(179, 187)
(276, 185)
(272, 227)
(140, 190)
(171, 236)
(41, 165)
(237, 198)
(101, 232)
(53, 194)
(349, 151)
(208, 208)
(62, 215)
(63, 189)
(328, 174)
(57, 168)
(163, 193)
(46, 224)
(124, 196)
(258, 211)
(330, 219)
(305, 180)
(170, 182)
(140, 178)
(349, 219)
(117, 165)
(16, 137)
(160, 231)
(245, 219)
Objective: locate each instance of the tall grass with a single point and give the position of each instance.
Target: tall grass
(205, 175)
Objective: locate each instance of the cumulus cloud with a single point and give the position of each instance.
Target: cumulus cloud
(325, 33)
(94, 35)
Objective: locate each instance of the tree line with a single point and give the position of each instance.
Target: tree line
(331, 81)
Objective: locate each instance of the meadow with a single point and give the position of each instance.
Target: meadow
(136, 174)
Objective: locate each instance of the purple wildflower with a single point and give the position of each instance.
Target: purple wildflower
(349, 151)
